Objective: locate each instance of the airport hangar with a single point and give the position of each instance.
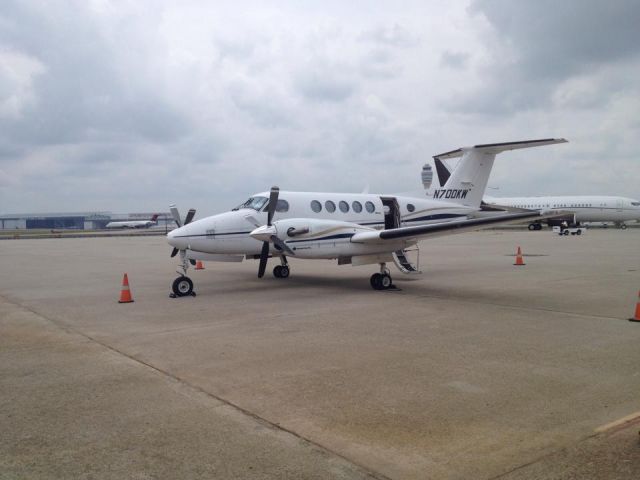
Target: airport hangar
(75, 220)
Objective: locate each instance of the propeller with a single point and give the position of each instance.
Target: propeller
(271, 209)
(188, 219)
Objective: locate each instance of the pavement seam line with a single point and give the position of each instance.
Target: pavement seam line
(175, 378)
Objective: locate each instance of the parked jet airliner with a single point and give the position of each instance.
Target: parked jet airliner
(584, 208)
(356, 229)
(579, 208)
(134, 223)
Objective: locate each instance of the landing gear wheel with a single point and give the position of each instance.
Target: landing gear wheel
(538, 226)
(183, 286)
(623, 226)
(281, 271)
(532, 227)
(380, 282)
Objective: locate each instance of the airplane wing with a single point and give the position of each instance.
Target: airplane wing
(446, 228)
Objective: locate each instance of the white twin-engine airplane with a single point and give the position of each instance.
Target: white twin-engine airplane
(356, 229)
(134, 223)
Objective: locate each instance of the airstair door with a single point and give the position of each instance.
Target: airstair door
(392, 217)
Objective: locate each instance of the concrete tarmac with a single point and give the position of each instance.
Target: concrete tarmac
(475, 369)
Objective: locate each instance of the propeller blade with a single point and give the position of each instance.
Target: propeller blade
(273, 202)
(281, 245)
(190, 214)
(174, 252)
(264, 256)
(175, 214)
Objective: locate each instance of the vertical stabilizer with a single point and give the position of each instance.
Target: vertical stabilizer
(468, 181)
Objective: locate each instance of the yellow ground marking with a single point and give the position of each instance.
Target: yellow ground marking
(617, 423)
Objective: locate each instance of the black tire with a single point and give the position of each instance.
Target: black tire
(376, 281)
(277, 271)
(284, 272)
(623, 226)
(385, 282)
(566, 232)
(182, 287)
(538, 226)
(532, 227)
(579, 232)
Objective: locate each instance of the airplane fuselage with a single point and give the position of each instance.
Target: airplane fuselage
(334, 213)
(131, 224)
(586, 208)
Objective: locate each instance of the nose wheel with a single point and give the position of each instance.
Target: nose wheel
(182, 287)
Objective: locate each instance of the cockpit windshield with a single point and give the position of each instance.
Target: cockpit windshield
(254, 202)
(635, 204)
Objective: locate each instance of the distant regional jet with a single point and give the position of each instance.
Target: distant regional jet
(353, 228)
(134, 223)
(579, 208)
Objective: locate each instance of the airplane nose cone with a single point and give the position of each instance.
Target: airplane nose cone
(174, 239)
(264, 233)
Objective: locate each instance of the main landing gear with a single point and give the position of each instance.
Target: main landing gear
(281, 271)
(534, 226)
(382, 280)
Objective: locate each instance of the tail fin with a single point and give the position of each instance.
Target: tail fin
(467, 183)
(154, 218)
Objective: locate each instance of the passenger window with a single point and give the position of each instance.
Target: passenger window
(344, 206)
(410, 207)
(370, 207)
(357, 206)
(316, 206)
(330, 206)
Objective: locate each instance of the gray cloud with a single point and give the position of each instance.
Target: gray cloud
(125, 107)
(455, 60)
(84, 91)
(538, 45)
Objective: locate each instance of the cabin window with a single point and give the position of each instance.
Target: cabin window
(316, 206)
(411, 207)
(344, 206)
(370, 207)
(330, 206)
(282, 205)
(357, 206)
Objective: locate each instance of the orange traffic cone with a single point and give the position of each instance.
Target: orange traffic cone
(636, 317)
(125, 293)
(519, 260)
(199, 265)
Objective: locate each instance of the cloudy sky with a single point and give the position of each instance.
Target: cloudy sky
(132, 105)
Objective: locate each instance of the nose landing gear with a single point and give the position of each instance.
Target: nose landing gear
(182, 286)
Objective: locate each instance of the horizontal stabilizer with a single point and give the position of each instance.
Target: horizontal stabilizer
(500, 147)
